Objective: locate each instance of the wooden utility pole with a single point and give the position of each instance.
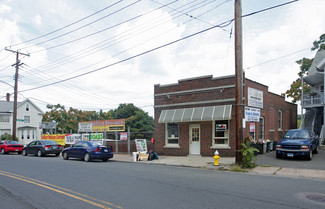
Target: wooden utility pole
(14, 119)
(239, 79)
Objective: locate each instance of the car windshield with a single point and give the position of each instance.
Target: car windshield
(296, 135)
(48, 142)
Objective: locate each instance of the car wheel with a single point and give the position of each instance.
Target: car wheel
(105, 159)
(87, 157)
(315, 150)
(279, 156)
(3, 151)
(24, 153)
(310, 155)
(39, 153)
(65, 156)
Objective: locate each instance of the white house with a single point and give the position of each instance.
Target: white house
(29, 118)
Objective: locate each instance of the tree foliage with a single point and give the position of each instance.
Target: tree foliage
(304, 64)
(67, 120)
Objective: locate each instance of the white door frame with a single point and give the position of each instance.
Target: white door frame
(194, 146)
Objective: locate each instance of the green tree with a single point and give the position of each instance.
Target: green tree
(68, 120)
(140, 123)
(295, 88)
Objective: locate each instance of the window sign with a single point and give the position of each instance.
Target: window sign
(221, 127)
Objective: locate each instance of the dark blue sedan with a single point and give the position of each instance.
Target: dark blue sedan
(87, 151)
(298, 142)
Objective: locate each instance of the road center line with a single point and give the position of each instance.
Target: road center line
(61, 190)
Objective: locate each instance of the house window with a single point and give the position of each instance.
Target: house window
(261, 128)
(33, 134)
(280, 120)
(28, 136)
(220, 133)
(26, 119)
(22, 134)
(321, 88)
(4, 118)
(27, 107)
(172, 134)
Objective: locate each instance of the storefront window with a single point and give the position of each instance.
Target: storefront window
(172, 134)
(221, 133)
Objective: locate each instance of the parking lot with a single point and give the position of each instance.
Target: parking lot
(269, 159)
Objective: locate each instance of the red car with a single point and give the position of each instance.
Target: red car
(10, 146)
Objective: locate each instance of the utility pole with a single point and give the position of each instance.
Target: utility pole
(239, 79)
(17, 64)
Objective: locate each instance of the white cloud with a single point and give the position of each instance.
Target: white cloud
(37, 19)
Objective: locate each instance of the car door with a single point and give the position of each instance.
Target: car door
(29, 146)
(75, 149)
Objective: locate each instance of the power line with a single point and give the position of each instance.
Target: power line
(67, 25)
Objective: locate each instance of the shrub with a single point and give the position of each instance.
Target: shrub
(7, 137)
(248, 156)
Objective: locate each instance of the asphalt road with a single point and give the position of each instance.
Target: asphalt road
(317, 162)
(50, 182)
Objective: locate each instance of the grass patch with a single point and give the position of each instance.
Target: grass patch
(237, 168)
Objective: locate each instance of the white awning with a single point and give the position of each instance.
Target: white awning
(222, 112)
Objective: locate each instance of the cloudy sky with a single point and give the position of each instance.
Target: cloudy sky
(93, 55)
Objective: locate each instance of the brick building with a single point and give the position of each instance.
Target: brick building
(196, 116)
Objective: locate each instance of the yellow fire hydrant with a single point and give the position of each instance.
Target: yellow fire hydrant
(216, 158)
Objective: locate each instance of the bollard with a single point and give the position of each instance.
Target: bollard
(216, 158)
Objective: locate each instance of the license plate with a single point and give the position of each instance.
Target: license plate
(16, 149)
(290, 155)
(105, 150)
(54, 147)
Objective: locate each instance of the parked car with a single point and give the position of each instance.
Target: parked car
(298, 142)
(10, 146)
(87, 151)
(42, 147)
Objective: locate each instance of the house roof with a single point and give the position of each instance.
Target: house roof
(7, 107)
(314, 77)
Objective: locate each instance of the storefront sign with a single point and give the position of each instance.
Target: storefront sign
(255, 98)
(252, 114)
(105, 125)
(141, 145)
(85, 127)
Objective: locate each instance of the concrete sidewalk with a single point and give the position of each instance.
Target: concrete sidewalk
(225, 164)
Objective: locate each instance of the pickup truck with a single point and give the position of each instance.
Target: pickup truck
(298, 142)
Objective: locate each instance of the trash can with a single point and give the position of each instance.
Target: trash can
(260, 148)
(264, 147)
(135, 156)
(271, 146)
(274, 145)
(255, 146)
(268, 146)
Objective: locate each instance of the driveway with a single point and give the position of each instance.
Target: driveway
(316, 163)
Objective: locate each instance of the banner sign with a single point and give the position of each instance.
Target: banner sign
(252, 114)
(123, 136)
(141, 145)
(85, 137)
(252, 127)
(255, 98)
(97, 137)
(72, 138)
(59, 138)
(106, 125)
